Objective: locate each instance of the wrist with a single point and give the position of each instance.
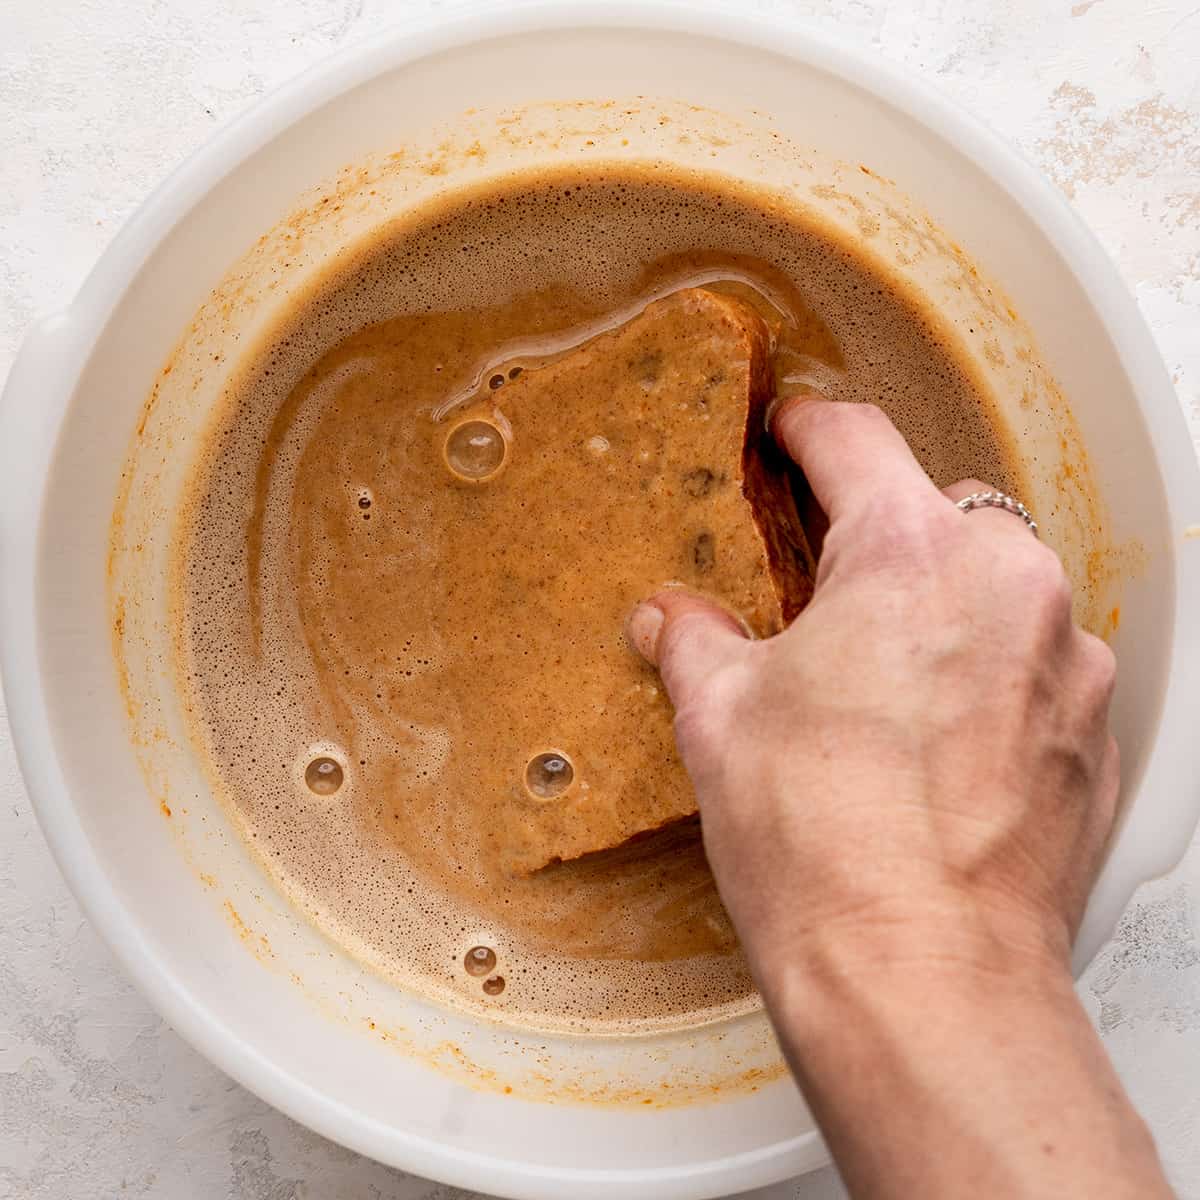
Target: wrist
(934, 945)
(980, 1049)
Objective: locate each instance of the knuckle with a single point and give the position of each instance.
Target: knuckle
(868, 413)
(1114, 755)
(1108, 786)
(1100, 662)
(833, 415)
(970, 486)
(1041, 575)
(672, 641)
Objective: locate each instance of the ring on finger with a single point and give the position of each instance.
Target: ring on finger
(1002, 500)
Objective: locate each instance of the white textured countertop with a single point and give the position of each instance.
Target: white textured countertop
(98, 100)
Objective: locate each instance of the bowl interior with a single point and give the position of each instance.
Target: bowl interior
(217, 253)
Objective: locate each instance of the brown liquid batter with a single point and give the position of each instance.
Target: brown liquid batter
(375, 646)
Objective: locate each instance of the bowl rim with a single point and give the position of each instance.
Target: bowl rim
(55, 352)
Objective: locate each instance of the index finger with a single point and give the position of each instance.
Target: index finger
(850, 453)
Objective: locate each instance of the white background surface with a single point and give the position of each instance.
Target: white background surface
(98, 100)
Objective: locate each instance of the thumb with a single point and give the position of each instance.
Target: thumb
(686, 637)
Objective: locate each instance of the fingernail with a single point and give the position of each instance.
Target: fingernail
(644, 626)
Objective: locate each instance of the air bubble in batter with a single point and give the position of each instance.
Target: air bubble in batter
(475, 450)
(324, 775)
(549, 775)
(480, 960)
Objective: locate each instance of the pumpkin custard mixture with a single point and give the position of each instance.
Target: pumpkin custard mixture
(416, 526)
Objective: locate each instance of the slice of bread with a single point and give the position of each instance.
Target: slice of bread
(681, 456)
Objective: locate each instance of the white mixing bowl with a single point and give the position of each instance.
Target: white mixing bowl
(1021, 285)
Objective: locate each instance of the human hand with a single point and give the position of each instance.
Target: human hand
(920, 767)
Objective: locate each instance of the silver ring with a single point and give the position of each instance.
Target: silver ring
(999, 500)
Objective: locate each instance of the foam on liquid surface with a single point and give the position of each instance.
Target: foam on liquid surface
(324, 610)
